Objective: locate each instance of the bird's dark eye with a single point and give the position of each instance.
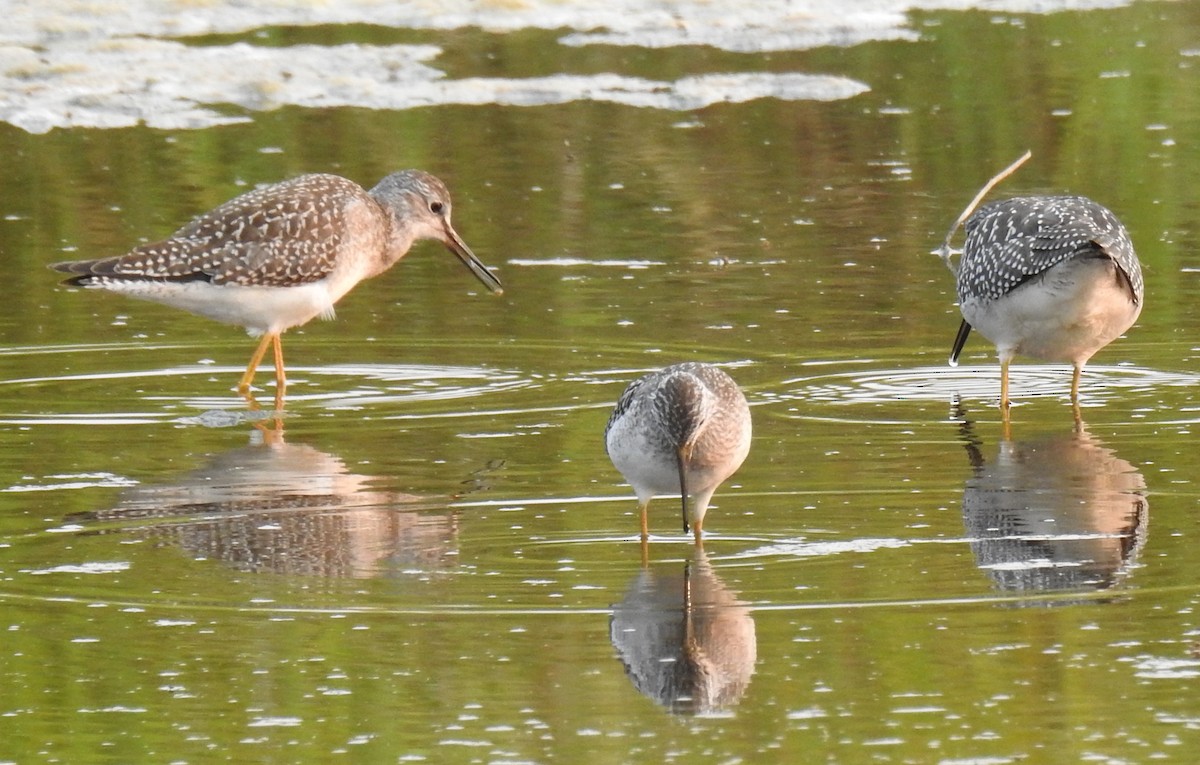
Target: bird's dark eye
(437, 208)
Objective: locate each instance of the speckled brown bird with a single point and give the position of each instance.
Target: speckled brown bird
(278, 256)
(685, 428)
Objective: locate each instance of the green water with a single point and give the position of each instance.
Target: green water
(436, 562)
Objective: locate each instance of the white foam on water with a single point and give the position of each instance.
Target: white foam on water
(74, 63)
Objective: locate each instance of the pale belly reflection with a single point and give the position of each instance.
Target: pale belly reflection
(1054, 513)
(288, 508)
(686, 642)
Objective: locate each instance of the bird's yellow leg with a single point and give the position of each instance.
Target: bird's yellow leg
(1075, 396)
(280, 376)
(645, 527)
(697, 535)
(255, 360)
(1004, 389)
(1005, 421)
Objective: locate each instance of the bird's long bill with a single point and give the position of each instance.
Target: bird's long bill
(964, 330)
(456, 245)
(681, 460)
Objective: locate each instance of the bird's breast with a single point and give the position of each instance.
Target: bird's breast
(1065, 314)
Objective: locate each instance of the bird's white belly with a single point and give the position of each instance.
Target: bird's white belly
(1065, 315)
(652, 467)
(648, 475)
(258, 309)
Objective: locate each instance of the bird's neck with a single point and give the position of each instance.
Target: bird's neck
(397, 240)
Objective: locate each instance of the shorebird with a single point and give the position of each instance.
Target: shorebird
(685, 429)
(278, 256)
(1051, 277)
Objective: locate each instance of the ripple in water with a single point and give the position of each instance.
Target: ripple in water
(940, 383)
(39, 400)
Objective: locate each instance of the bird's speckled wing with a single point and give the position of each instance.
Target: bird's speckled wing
(284, 234)
(624, 402)
(1011, 241)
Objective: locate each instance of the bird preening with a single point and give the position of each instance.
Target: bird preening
(1051, 277)
(278, 256)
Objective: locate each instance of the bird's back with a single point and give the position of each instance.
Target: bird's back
(281, 235)
(1011, 241)
(669, 404)
(692, 405)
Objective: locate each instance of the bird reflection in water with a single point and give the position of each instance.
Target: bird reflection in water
(1057, 513)
(685, 640)
(287, 508)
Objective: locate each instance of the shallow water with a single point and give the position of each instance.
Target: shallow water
(435, 561)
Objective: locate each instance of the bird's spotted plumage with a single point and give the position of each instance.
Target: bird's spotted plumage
(683, 429)
(280, 255)
(1014, 240)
